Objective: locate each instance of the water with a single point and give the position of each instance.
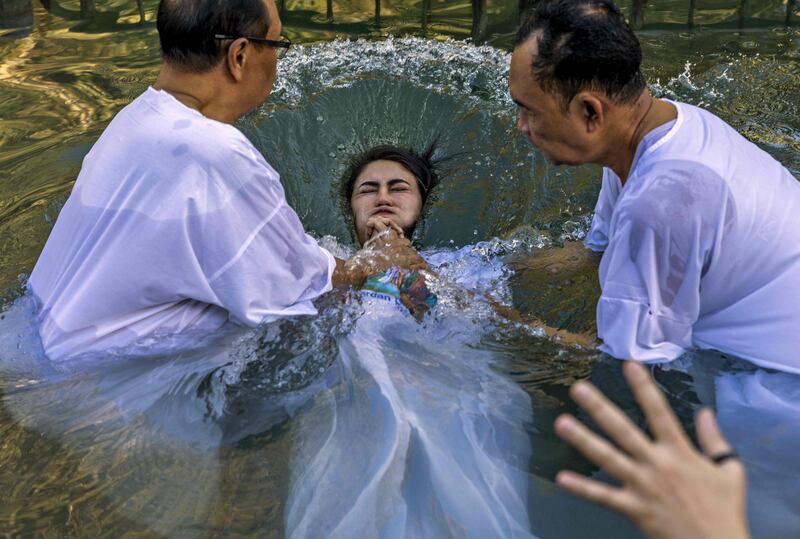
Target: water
(211, 441)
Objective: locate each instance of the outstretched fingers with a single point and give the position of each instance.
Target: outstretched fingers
(660, 417)
(610, 497)
(611, 419)
(595, 448)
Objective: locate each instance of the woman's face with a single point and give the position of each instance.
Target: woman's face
(385, 189)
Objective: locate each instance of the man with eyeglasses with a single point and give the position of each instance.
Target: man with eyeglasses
(177, 224)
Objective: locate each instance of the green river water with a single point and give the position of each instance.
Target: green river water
(421, 69)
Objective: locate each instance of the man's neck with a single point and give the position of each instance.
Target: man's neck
(646, 114)
(198, 91)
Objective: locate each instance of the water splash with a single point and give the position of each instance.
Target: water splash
(448, 67)
(755, 93)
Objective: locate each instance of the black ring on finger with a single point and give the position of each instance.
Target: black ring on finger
(719, 458)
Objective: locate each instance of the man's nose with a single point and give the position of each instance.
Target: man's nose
(522, 124)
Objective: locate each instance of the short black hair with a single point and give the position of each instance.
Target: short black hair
(186, 29)
(421, 165)
(584, 44)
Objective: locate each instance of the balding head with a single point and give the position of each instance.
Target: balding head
(186, 29)
(582, 45)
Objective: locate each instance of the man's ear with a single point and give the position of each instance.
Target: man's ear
(237, 58)
(592, 110)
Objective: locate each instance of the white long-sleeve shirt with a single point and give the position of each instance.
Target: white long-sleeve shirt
(175, 222)
(702, 248)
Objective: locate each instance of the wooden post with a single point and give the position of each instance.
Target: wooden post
(479, 20)
(330, 10)
(790, 11)
(426, 12)
(377, 12)
(690, 20)
(16, 13)
(744, 11)
(637, 14)
(87, 9)
(281, 6)
(140, 5)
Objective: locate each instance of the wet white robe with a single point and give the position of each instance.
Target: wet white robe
(176, 223)
(701, 248)
(421, 436)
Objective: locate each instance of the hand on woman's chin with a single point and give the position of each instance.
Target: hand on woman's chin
(384, 250)
(381, 224)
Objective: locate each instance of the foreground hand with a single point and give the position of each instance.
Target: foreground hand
(669, 489)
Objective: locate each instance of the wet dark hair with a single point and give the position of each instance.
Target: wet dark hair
(186, 29)
(422, 166)
(584, 44)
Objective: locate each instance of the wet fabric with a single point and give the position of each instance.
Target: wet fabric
(759, 414)
(413, 440)
(701, 248)
(176, 222)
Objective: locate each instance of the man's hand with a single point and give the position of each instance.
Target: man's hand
(384, 250)
(388, 249)
(669, 489)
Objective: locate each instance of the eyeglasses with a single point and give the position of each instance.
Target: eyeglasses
(281, 47)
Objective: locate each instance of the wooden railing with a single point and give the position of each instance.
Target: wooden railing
(18, 13)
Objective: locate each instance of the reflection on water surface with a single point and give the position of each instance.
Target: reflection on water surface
(202, 444)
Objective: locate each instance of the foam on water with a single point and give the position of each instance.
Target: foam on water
(449, 66)
(728, 87)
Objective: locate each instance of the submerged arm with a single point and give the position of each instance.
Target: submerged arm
(584, 340)
(389, 249)
(555, 272)
(400, 249)
(573, 256)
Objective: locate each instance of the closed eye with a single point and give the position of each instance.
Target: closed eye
(367, 187)
(399, 185)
